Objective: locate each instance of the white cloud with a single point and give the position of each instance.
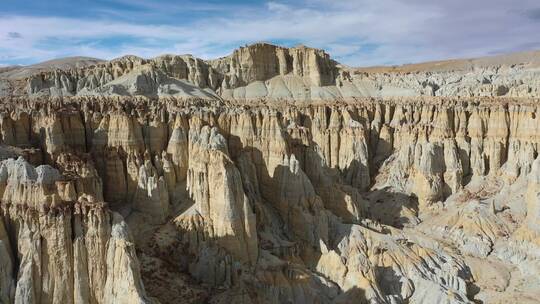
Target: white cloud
(396, 31)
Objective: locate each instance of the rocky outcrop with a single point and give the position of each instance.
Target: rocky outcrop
(66, 246)
(215, 185)
(262, 70)
(266, 177)
(510, 75)
(389, 201)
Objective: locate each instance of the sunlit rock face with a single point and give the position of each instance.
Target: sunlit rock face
(266, 177)
(263, 70)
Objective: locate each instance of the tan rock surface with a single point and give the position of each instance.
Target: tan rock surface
(262, 70)
(235, 195)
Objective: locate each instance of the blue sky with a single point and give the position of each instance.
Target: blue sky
(354, 32)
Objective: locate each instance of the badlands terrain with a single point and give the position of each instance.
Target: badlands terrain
(273, 175)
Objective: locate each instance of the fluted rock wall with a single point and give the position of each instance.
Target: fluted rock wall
(66, 247)
(383, 200)
(261, 62)
(241, 75)
(262, 70)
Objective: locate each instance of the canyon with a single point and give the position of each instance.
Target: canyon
(273, 175)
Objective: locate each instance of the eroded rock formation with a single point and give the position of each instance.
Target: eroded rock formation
(268, 186)
(263, 70)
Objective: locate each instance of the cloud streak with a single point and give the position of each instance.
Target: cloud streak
(356, 32)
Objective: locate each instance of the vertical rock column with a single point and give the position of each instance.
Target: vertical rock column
(215, 185)
(69, 247)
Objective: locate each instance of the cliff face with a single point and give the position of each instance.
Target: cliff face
(113, 200)
(60, 243)
(259, 70)
(267, 71)
(267, 177)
